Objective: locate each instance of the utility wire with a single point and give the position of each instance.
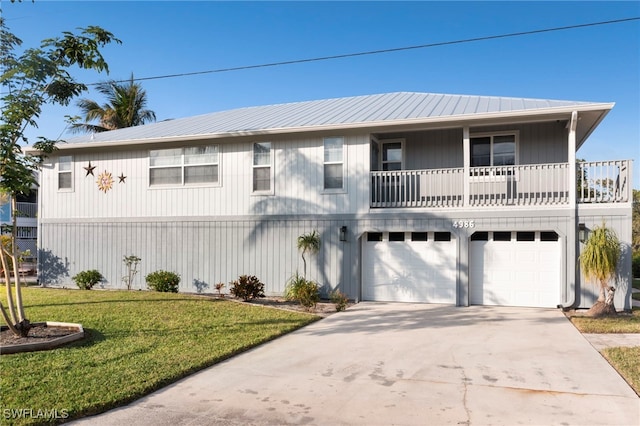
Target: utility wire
(377, 52)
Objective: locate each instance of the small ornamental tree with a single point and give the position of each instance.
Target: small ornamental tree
(308, 243)
(599, 262)
(28, 81)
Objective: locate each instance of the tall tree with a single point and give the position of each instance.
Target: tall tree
(37, 77)
(125, 107)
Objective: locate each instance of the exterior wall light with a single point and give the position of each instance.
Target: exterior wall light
(582, 232)
(343, 233)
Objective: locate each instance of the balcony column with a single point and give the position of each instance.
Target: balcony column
(466, 155)
(572, 157)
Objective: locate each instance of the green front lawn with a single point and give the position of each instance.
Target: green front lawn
(623, 323)
(626, 361)
(137, 342)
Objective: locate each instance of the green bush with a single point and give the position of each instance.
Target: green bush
(85, 280)
(339, 299)
(163, 281)
(303, 291)
(247, 287)
(635, 262)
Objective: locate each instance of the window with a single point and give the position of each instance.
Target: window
(418, 236)
(65, 173)
(480, 236)
(392, 155)
(262, 160)
(502, 236)
(442, 236)
(493, 150)
(525, 236)
(184, 166)
(334, 163)
(374, 236)
(396, 236)
(548, 236)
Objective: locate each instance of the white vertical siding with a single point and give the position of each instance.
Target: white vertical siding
(298, 183)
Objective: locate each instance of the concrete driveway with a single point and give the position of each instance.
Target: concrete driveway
(404, 364)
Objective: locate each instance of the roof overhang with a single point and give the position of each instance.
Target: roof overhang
(589, 116)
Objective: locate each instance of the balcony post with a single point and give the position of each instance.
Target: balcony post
(572, 157)
(466, 154)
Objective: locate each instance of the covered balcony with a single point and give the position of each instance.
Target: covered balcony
(517, 185)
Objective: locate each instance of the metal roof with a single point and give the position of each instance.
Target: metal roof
(350, 112)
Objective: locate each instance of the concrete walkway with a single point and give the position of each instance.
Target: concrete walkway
(403, 364)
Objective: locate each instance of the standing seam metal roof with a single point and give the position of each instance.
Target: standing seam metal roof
(380, 108)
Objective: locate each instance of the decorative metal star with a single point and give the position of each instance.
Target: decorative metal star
(89, 169)
(122, 177)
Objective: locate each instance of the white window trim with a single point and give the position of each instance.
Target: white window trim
(492, 176)
(342, 190)
(182, 166)
(271, 190)
(383, 142)
(71, 172)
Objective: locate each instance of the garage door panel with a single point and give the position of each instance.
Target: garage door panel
(515, 273)
(409, 271)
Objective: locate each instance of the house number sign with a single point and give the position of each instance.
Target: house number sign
(464, 224)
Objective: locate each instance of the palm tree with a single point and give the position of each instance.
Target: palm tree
(125, 107)
(308, 243)
(599, 261)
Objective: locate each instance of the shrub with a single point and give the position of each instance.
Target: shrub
(85, 280)
(163, 281)
(247, 287)
(339, 299)
(635, 262)
(303, 291)
(219, 288)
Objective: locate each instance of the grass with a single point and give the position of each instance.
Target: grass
(622, 323)
(636, 284)
(137, 342)
(627, 362)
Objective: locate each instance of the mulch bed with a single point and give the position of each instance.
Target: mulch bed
(37, 334)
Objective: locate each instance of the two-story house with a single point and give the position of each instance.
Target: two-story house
(417, 197)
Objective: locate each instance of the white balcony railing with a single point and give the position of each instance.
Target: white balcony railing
(521, 185)
(27, 209)
(603, 182)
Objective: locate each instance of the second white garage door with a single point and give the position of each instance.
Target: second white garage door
(515, 269)
(409, 267)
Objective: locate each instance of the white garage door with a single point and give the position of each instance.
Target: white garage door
(409, 267)
(515, 269)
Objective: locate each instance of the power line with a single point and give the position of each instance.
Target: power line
(377, 52)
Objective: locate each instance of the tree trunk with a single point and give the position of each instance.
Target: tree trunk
(604, 308)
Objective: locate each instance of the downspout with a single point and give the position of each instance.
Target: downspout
(571, 243)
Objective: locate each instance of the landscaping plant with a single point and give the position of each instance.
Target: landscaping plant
(131, 262)
(247, 287)
(599, 261)
(303, 291)
(85, 280)
(163, 281)
(339, 299)
(219, 288)
(308, 243)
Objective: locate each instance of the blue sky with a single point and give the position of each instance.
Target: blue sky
(600, 63)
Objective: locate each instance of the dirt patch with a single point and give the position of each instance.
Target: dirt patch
(37, 334)
(323, 308)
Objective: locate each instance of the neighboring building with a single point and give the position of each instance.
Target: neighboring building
(417, 197)
(27, 222)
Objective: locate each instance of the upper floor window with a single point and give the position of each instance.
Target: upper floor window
(493, 150)
(184, 166)
(65, 172)
(334, 163)
(392, 155)
(262, 167)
